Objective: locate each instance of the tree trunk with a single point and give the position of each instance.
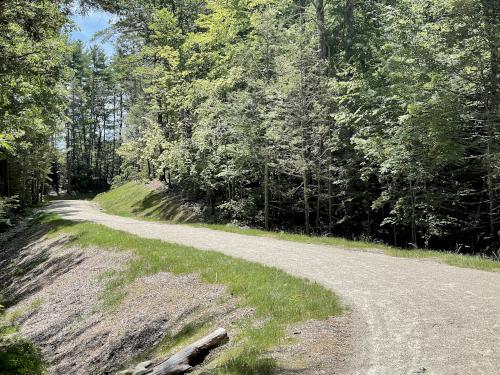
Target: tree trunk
(491, 188)
(266, 193)
(120, 132)
(318, 197)
(68, 161)
(491, 23)
(149, 169)
(349, 28)
(320, 19)
(185, 360)
(305, 181)
(113, 160)
(413, 216)
(330, 187)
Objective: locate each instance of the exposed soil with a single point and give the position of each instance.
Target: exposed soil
(409, 314)
(57, 293)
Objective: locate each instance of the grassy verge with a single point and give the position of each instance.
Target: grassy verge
(294, 237)
(17, 355)
(134, 199)
(278, 299)
(458, 260)
(137, 200)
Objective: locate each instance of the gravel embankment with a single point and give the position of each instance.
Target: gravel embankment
(58, 292)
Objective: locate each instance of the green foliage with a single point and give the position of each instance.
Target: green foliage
(17, 356)
(32, 94)
(95, 120)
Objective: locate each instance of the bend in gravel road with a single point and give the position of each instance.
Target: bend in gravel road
(409, 314)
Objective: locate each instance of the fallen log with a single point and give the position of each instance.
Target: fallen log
(185, 360)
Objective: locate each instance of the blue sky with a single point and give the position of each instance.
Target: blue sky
(88, 25)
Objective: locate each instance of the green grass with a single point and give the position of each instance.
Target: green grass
(17, 355)
(277, 298)
(137, 200)
(457, 260)
(294, 237)
(134, 199)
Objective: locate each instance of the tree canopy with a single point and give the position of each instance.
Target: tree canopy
(366, 119)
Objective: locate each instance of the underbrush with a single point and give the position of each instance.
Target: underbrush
(17, 355)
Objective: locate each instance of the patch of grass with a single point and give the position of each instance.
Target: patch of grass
(457, 260)
(10, 318)
(44, 218)
(247, 362)
(17, 355)
(37, 302)
(137, 200)
(278, 298)
(294, 237)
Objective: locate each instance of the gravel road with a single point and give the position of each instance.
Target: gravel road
(410, 316)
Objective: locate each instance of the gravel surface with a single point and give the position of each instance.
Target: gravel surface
(409, 314)
(317, 347)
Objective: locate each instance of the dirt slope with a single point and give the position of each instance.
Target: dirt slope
(409, 314)
(56, 294)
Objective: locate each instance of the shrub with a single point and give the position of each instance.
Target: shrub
(7, 207)
(17, 356)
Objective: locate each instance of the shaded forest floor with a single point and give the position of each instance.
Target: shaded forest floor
(152, 202)
(96, 300)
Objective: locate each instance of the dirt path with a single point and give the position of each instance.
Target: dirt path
(410, 314)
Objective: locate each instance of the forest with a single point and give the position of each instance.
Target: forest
(366, 119)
